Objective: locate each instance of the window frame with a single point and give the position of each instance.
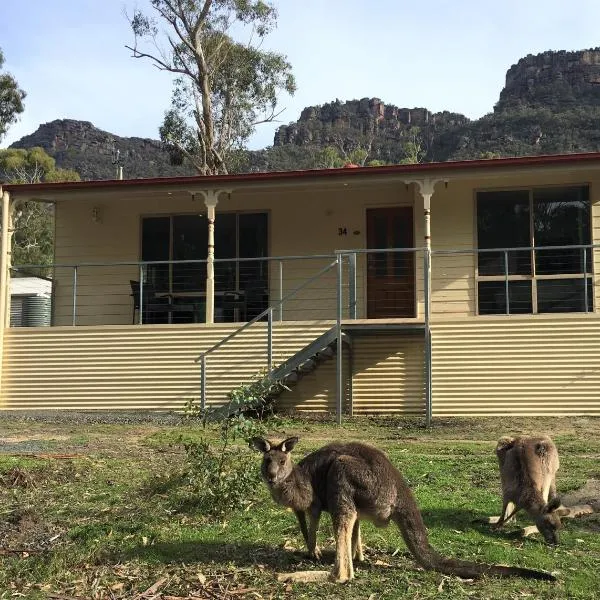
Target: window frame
(534, 277)
(172, 215)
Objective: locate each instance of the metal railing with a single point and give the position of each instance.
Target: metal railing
(523, 280)
(268, 312)
(465, 282)
(111, 293)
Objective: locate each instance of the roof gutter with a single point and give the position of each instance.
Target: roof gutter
(440, 170)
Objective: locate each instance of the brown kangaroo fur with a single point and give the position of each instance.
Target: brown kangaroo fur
(353, 481)
(528, 468)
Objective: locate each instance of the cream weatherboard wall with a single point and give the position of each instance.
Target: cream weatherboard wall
(453, 227)
(301, 222)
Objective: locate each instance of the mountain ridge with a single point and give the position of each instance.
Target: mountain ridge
(550, 104)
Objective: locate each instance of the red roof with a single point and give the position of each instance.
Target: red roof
(417, 170)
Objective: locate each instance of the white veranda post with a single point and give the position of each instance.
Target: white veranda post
(4, 271)
(211, 199)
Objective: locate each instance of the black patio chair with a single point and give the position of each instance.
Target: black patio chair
(234, 305)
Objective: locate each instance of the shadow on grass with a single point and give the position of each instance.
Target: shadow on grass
(245, 554)
(242, 554)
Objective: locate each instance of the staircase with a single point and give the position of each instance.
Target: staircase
(305, 361)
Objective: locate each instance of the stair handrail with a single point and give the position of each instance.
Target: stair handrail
(268, 311)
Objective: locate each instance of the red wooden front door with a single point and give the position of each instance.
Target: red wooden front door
(390, 275)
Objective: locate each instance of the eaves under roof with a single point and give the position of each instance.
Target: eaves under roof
(407, 172)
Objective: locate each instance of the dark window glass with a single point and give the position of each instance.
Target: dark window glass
(254, 275)
(226, 248)
(155, 246)
(190, 239)
(185, 238)
(503, 222)
(492, 297)
(563, 295)
(561, 217)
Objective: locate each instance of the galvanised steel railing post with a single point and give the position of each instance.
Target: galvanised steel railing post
(339, 391)
(585, 288)
(74, 295)
(281, 290)
(352, 285)
(428, 357)
(141, 307)
(506, 281)
(203, 382)
(270, 339)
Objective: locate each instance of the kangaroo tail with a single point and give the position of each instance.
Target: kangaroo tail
(410, 522)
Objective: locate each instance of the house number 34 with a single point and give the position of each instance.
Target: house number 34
(342, 231)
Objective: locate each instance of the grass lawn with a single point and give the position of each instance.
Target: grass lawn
(97, 511)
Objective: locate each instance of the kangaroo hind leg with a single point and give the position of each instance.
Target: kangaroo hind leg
(343, 526)
(357, 548)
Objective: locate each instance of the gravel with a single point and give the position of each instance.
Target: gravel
(94, 416)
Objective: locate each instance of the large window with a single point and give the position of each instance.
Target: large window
(540, 278)
(240, 285)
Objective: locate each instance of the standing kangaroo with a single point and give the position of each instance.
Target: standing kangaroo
(353, 481)
(528, 468)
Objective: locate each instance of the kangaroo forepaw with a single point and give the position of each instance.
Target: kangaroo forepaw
(358, 556)
(315, 554)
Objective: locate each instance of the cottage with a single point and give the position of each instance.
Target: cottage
(458, 288)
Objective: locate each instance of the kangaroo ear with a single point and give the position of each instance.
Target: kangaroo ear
(288, 444)
(259, 444)
(552, 505)
(504, 444)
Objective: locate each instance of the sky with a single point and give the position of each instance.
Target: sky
(70, 56)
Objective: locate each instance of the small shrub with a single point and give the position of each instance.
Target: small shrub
(223, 480)
(222, 477)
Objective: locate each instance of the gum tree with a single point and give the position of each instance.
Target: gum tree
(223, 87)
(11, 99)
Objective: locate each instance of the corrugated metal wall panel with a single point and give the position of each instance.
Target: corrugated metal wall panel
(388, 374)
(315, 392)
(133, 367)
(517, 365)
(16, 311)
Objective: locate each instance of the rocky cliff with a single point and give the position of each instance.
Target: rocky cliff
(557, 80)
(81, 146)
(371, 123)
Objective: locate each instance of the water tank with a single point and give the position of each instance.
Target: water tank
(37, 311)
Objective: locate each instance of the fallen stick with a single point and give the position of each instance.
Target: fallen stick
(152, 589)
(8, 551)
(44, 455)
(303, 577)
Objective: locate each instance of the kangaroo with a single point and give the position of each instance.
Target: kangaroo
(354, 481)
(528, 468)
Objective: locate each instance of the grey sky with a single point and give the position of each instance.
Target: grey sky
(69, 56)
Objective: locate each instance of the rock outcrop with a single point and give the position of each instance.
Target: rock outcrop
(81, 146)
(557, 80)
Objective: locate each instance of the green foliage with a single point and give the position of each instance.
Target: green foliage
(412, 148)
(11, 99)
(221, 477)
(33, 239)
(224, 87)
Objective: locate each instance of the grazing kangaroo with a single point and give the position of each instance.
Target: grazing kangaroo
(528, 468)
(354, 481)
